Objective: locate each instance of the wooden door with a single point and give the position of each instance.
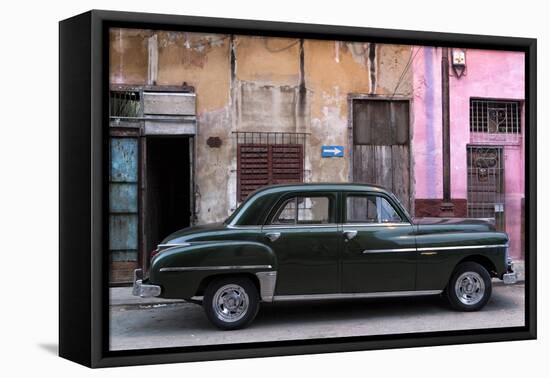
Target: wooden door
(123, 208)
(381, 145)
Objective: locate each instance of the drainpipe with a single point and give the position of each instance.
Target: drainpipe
(447, 206)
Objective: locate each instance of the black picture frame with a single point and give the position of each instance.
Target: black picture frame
(83, 268)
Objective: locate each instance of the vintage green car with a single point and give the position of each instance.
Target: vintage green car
(324, 241)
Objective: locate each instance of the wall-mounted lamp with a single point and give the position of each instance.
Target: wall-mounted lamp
(458, 58)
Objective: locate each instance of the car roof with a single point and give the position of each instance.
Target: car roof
(320, 186)
(248, 213)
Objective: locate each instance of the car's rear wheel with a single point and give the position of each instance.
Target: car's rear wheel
(470, 287)
(231, 302)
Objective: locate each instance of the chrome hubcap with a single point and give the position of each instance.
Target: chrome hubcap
(470, 288)
(230, 303)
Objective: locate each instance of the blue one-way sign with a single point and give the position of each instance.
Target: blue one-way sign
(332, 151)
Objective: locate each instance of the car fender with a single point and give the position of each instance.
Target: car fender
(181, 269)
(439, 253)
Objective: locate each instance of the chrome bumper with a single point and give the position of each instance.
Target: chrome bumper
(510, 278)
(144, 290)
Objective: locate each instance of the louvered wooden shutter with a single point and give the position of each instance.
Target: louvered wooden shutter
(264, 164)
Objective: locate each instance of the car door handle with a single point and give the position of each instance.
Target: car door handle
(272, 236)
(350, 234)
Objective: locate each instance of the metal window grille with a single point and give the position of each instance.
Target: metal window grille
(486, 183)
(495, 116)
(266, 158)
(125, 104)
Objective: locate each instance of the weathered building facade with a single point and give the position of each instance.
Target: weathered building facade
(198, 121)
(487, 129)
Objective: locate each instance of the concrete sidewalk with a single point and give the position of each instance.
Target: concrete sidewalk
(122, 296)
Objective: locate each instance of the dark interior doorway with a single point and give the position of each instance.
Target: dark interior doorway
(168, 187)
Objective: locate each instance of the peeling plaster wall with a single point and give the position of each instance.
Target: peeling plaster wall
(128, 62)
(392, 79)
(273, 61)
(333, 70)
(202, 60)
(246, 83)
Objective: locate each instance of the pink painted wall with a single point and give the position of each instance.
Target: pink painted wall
(489, 74)
(426, 108)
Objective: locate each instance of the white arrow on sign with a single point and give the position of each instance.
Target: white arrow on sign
(335, 151)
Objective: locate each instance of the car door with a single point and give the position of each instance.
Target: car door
(379, 248)
(303, 233)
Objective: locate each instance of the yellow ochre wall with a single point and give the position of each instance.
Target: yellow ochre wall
(251, 83)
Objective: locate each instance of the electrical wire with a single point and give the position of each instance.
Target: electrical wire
(266, 43)
(407, 66)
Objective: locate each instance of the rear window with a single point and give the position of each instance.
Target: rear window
(370, 209)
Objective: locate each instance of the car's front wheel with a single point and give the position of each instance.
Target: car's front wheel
(231, 302)
(470, 287)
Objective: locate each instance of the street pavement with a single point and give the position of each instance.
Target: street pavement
(171, 324)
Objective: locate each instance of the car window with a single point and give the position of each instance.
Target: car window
(303, 210)
(286, 213)
(370, 209)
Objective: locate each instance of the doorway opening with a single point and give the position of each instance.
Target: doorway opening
(168, 188)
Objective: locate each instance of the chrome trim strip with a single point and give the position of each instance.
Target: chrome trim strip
(276, 226)
(268, 280)
(247, 227)
(431, 249)
(462, 247)
(267, 226)
(400, 224)
(170, 245)
(387, 294)
(227, 267)
(389, 250)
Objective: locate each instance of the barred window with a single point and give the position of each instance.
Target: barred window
(495, 116)
(125, 104)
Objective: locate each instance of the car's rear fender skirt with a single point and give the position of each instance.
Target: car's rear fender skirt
(181, 271)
